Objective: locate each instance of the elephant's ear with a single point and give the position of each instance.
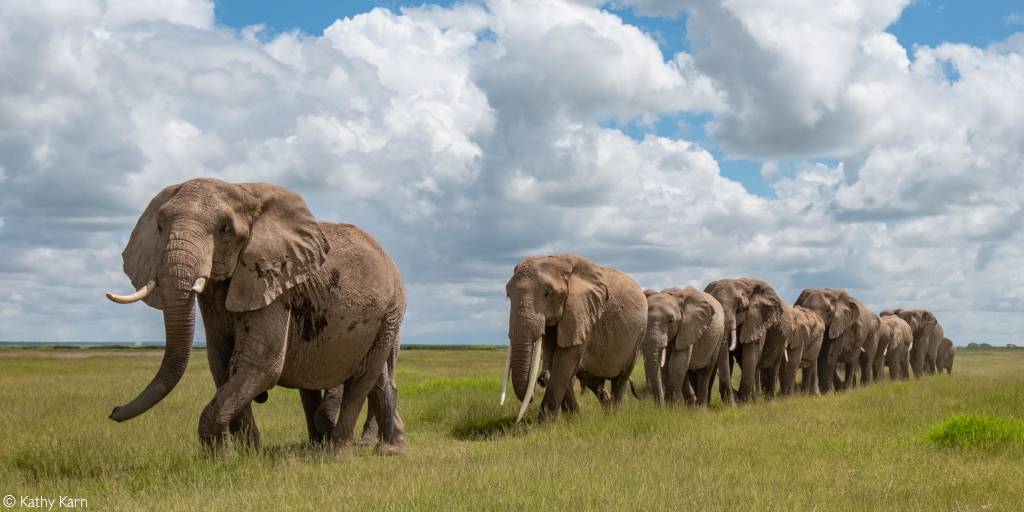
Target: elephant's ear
(146, 246)
(587, 295)
(847, 312)
(648, 292)
(765, 310)
(697, 313)
(285, 244)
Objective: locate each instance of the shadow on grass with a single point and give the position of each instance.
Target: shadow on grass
(992, 434)
(484, 425)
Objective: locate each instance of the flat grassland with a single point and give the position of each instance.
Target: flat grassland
(863, 450)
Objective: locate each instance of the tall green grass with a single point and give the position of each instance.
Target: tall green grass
(866, 449)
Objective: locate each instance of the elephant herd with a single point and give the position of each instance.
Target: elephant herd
(317, 306)
(570, 317)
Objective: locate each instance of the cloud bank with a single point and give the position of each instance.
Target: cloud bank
(466, 137)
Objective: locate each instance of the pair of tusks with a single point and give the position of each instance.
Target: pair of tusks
(148, 288)
(531, 383)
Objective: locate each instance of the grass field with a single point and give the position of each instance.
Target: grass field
(864, 450)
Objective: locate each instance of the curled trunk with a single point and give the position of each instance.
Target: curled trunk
(179, 329)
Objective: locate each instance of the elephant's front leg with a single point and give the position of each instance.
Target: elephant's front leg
(564, 361)
(220, 344)
(676, 365)
(724, 375)
(790, 366)
(260, 343)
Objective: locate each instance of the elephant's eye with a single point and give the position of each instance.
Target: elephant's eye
(225, 229)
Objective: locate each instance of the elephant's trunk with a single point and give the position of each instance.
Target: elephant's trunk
(179, 327)
(525, 328)
(652, 347)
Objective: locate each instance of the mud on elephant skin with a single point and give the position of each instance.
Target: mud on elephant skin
(751, 307)
(851, 331)
(791, 345)
(685, 332)
(585, 320)
(286, 300)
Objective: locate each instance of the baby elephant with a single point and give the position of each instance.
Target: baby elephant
(685, 332)
(944, 359)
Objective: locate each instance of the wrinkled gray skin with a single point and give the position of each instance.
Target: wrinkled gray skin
(751, 307)
(928, 335)
(849, 326)
(589, 319)
(686, 328)
(792, 344)
(288, 301)
(945, 356)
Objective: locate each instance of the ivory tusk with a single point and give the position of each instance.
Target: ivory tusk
(504, 376)
(785, 354)
(663, 352)
(732, 344)
(200, 284)
(532, 383)
(140, 294)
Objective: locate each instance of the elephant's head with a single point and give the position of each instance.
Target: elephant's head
(835, 307)
(561, 295)
(750, 305)
(678, 316)
(921, 321)
(259, 239)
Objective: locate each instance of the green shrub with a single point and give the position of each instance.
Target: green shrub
(978, 432)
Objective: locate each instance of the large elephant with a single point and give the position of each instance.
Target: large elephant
(791, 344)
(587, 321)
(848, 325)
(752, 307)
(285, 301)
(928, 334)
(946, 354)
(685, 332)
(895, 338)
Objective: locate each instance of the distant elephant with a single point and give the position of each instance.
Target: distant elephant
(587, 321)
(791, 344)
(928, 335)
(946, 354)
(685, 332)
(849, 325)
(895, 338)
(285, 301)
(752, 307)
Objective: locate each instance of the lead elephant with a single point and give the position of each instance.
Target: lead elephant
(752, 307)
(928, 334)
(792, 344)
(945, 356)
(585, 319)
(848, 325)
(895, 337)
(286, 301)
(685, 332)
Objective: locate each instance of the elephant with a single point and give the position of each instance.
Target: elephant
(752, 307)
(685, 332)
(286, 301)
(849, 325)
(928, 334)
(585, 319)
(945, 356)
(894, 340)
(792, 344)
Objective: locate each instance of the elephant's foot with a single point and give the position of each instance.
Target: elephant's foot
(388, 449)
(341, 447)
(371, 433)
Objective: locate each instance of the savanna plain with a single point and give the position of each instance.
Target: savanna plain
(868, 449)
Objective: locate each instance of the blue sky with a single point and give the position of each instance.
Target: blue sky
(924, 22)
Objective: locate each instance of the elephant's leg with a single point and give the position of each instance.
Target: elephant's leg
(564, 362)
(864, 362)
(596, 386)
(787, 384)
(376, 402)
(569, 403)
(311, 400)
(724, 376)
(702, 385)
(676, 365)
(220, 344)
(827, 359)
(748, 367)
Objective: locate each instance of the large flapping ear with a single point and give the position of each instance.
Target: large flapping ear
(285, 244)
(146, 247)
(765, 310)
(697, 313)
(587, 295)
(847, 312)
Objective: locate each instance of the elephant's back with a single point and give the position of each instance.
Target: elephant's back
(359, 264)
(613, 343)
(705, 352)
